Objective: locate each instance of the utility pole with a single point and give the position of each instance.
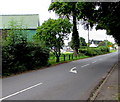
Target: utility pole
(106, 41)
(88, 35)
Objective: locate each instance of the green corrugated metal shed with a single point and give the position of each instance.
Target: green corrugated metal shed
(30, 22)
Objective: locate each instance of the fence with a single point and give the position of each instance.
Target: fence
(65, 57)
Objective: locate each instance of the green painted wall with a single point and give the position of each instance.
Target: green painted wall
(30, 34)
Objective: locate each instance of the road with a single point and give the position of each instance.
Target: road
(69, 81)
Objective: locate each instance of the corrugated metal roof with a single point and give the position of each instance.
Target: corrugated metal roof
(29, 21)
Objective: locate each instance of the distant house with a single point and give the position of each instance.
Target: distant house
(29, 22)
(66, 49)
(94, 43)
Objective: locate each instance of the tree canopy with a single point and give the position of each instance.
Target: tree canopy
(53, 33)
(68, 9)
(105, 15)
(109, 18)
(105, 43)
(82, 43)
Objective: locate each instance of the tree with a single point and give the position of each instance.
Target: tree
(14, 53)
(105, 43)
(82, 43)
(105, 15)
(68, 9)
(53, 33)
(18, 54)
(16, 34)
(108, 19)
(86, 15)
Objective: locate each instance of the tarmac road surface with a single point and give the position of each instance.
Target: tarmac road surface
(70, 81)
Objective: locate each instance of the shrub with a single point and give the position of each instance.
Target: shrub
(21, 57)
(17, 54)
(38, 56)
(95, 51)
(104, 49)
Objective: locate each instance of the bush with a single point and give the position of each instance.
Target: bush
(38, 56)
(104, 49)
(95, 51)
(17, 54)
(23, 56)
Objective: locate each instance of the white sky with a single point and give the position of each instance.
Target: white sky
(41, 7)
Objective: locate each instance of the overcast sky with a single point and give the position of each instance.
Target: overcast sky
(41, 7)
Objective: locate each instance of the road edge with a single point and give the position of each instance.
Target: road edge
(44, 67)
(98, 87)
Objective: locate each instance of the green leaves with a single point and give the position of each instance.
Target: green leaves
(53, 32)
(70, 9)
(61, 8)
(107, 17)
(18, 55)
(15, 34)
(105, 43)
(21, 57)
(82, 43)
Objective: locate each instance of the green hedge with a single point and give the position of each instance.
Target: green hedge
(95, 51)
(20, 57)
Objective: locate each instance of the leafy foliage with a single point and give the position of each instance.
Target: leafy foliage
(82, 43)
(105, 15)
(53, 33)
(95, 51)
(18, 55)
(68, 9)
(105, 43)
(109, 18)
(21, 57)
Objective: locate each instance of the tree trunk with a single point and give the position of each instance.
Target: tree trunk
(75, 52)
(57, 54)
(57, 59)
(75, 35)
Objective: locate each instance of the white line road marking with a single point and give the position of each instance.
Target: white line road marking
(20, 91)
(94, 62)
(85, 65)
(73, 70)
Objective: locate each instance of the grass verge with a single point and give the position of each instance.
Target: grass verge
(113, 51)
(52, 59)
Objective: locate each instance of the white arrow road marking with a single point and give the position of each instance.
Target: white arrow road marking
(20, 91)
(73, 70)
(94, 61)
(85, 65)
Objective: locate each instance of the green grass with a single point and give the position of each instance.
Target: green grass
(113, 50)
(52, 59)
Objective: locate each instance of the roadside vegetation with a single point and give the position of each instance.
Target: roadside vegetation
(19, 55)
(65, 57)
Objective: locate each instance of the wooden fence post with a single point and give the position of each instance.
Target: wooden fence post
(76, 56)
(64, 57)
(69, 57)
(72, 56)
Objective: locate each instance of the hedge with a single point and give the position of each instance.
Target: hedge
(20, 57)
(95, 51)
